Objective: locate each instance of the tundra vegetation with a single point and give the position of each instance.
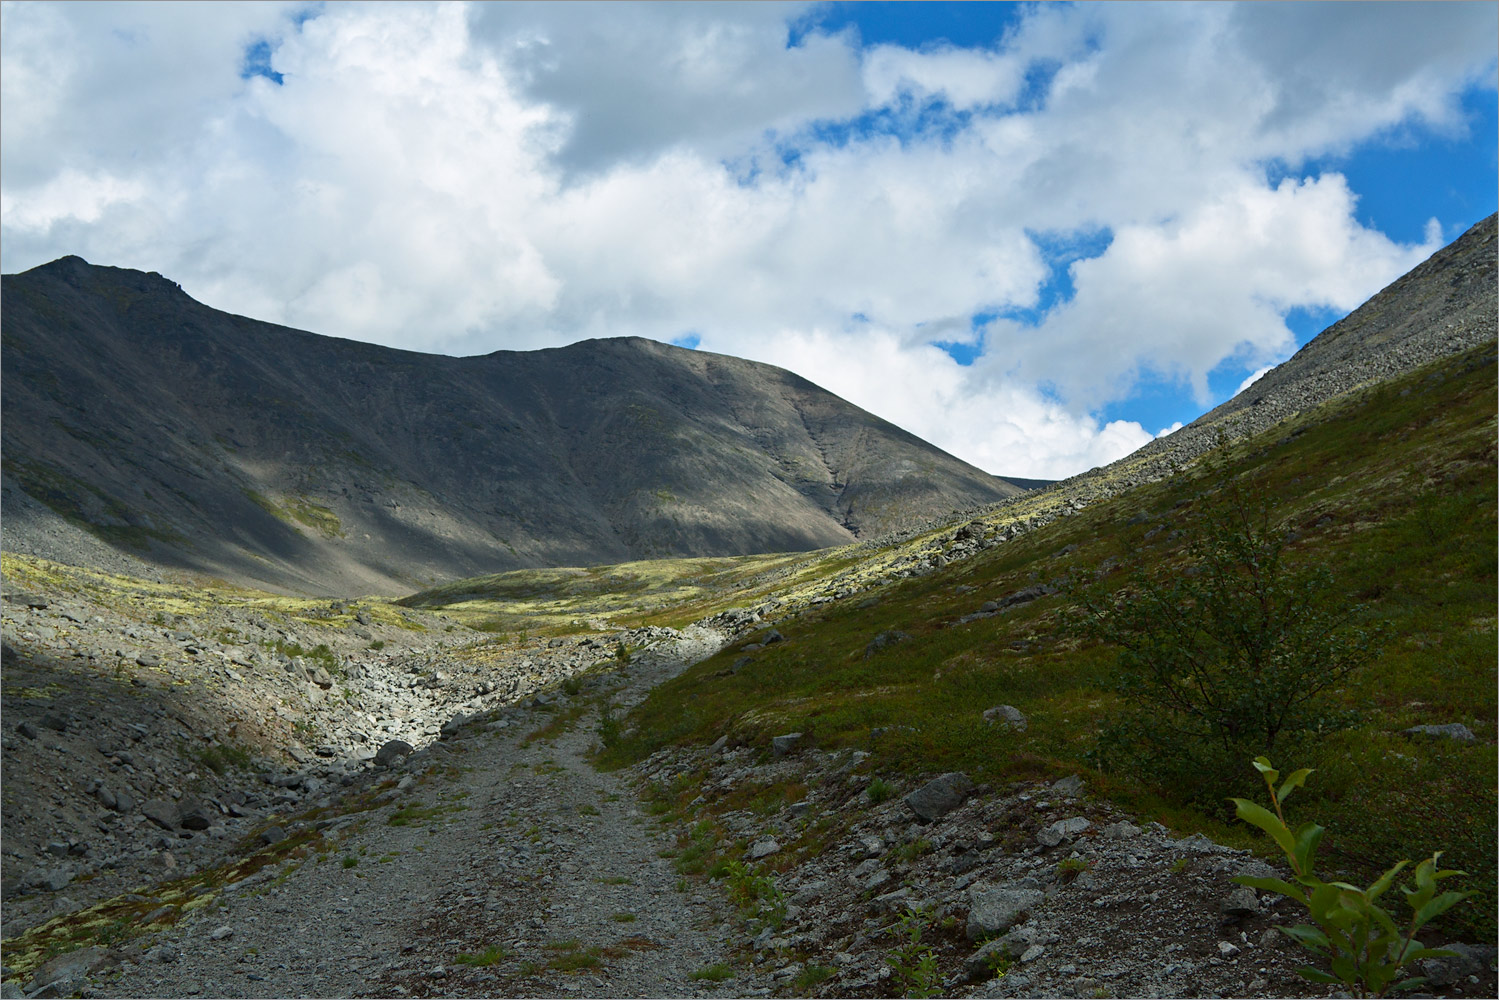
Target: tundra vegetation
(1378, 512)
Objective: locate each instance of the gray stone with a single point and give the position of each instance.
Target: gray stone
(163, 812)
(1464, 962)
(1451, 731)
(1062, 829)
(1121, 830)
(1006, 717)
(163, 953)
(1069, 787)
(148, 660)
(939, 796)
(1032, 953)
(392, 753)
(1008, 947)
(884, 641)
(221, 933)
(56, 722)
(195, 815)
(67, 972)
(273, 835)
(1241, 902)
(322, 678)
(993, 911)
(762, 848)
(9, 990)
(780, 746)
(27, 730)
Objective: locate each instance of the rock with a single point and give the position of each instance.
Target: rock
(162, 953)
(884, 641)
(1069, 787)
(1006, 717)
(1464, 962)
(1241, 902)
(989, 607)
(939, 796)
(774, 637)
(66, 972)
(893, 902)
(298, 754)
(195, 815)
(107, 797)
(1227, 949)
(780, 746)
(273, 835)
(1121, 830)
(718, 744)
(162, 812)
(392, 753)
(1451, 731)
(27, 730)
(9, 990)
(221, 933)
(993, 911)
(148, 660)
(1009, 946)
(1062, 829)
(762, 848)
(322, 678)
(1032, 953)
(56, 722)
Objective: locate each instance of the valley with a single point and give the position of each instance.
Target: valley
(901, 764)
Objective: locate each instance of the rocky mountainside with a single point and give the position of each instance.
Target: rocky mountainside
(199, 440)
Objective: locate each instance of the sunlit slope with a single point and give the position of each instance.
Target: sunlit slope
(1392, 488)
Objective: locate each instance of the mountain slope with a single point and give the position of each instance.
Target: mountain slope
(227, 446)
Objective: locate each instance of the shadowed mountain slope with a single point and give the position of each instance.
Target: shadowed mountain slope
(210, 442)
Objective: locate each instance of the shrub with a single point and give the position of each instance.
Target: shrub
(1234, 651)
(879, 790)
(1365, 948)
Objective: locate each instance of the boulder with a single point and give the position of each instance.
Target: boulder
(762, 848)
(195, 815)
(1241, 902)
(1464, 962)
(393, 752)
(1062, 829)
(993, 911)
(939, 796)
(163, 812)
(780, 746)
(884, 641)
(1006, 717)
(66, 972)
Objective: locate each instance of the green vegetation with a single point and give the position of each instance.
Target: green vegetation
(1392, 490)
(220, 757)
(87, 506)
(716, 973)
(297, 509)
(493, 955)
(879, 790)
(1360, 940)
(1228, 649)
(913, 961)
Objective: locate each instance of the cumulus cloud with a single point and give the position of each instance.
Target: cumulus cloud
(463, 179)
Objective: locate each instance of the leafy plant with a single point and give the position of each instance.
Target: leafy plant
(1365, 947)
(1070, 868)
(756, 895)
(621, 653)
(879, 790)
(913, 961)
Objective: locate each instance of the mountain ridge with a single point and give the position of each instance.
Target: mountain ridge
(229, 447)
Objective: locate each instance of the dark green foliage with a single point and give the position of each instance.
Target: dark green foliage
(1236, 647)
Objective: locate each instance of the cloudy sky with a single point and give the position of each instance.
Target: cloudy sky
(1034, 235)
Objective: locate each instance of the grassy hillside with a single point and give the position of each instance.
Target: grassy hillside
(1393, 490)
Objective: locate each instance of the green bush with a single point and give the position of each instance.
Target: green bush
(1364, 946)
(1233, 652)
(879, 790)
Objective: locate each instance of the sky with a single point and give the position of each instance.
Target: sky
(1035, 235)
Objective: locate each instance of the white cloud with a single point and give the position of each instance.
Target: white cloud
(441, 177)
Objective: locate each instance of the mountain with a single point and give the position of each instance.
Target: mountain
(214, 443)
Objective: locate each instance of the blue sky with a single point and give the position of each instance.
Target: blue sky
(1035, 235)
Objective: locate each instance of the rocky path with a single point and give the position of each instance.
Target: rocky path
(502, 864)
